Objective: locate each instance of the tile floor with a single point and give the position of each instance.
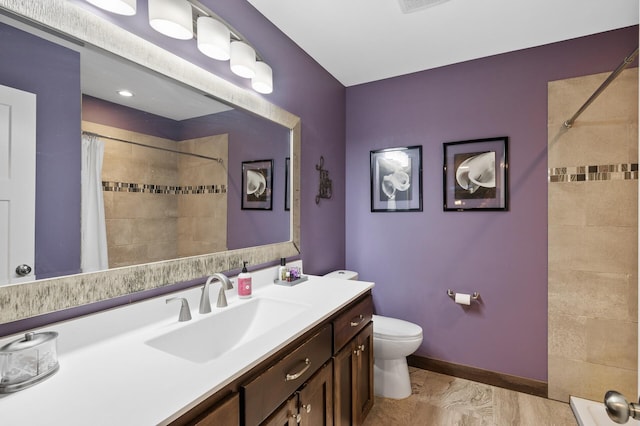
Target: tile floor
(439, 400)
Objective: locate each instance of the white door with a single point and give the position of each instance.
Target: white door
(17, 184)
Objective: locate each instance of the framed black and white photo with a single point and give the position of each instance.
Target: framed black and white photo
(396, 179)
(476, 175)
(257, 185)
(287, 188)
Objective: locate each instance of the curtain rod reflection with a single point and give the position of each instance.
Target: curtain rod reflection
(219, 160)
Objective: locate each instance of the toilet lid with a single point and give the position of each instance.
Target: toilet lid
(395, 329)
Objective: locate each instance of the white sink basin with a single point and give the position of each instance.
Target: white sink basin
(209, 336)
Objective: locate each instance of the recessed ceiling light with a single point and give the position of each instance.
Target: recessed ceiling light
(125, 93)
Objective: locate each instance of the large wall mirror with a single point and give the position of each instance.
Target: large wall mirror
(171, 172)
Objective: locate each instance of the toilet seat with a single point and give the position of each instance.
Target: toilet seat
(395, 329)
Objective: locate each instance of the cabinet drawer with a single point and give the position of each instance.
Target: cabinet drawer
(266, 392)
(351, 322)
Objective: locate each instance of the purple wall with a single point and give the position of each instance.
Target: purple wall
(53, 74)
(250, 138)
(415, 257)
(302, 87)
(123, 117)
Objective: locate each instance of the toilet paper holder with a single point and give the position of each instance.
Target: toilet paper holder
(452, 294)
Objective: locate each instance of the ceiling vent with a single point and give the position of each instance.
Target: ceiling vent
(410, 6)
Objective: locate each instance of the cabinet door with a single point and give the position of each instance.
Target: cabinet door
(363, 375)
(226, 413)
(315, 399)
(343, 385)
(353, 379)
(286, 415)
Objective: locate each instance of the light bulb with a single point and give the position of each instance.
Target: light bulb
(172, 18)
(243, 59)
(214, 38)
(263, 80)
(121, 7)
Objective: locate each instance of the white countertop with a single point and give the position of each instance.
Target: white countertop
(109, 376)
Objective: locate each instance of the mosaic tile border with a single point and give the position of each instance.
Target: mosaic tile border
(625, 171)
(162, 189)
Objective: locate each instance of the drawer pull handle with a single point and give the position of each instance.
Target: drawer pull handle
(358, 322)
(294, 376)
(359, 349)
(306, 407)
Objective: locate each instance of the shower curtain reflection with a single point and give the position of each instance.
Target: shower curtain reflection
(94, 256)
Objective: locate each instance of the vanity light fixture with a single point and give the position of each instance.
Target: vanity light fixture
(172, 18)
(263, 80)
(214, 38)
(120, 7)
(243, 59)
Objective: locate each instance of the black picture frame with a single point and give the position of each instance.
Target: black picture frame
(475, 175)
(257, 185)
(396, 179)
(287, 188)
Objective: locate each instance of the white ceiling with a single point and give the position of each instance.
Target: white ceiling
(104, 75)
(360, 41)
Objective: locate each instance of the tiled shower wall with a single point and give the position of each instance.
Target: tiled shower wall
(593, 234)
(202, 214)
(160, 205)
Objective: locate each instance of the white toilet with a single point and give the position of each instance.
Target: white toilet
(393, 340)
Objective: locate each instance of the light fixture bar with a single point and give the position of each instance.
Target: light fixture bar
(203, 10)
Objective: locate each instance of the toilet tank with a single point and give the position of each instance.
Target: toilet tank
(343, 274)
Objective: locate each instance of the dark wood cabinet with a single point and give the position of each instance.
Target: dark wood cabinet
(322, 378)
(267, 391)
(286, 415)
(315, 399)
(362, 397)
(311, 405)
(224, 413)
(353, 371)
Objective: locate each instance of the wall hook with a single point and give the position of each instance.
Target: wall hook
(325, 183)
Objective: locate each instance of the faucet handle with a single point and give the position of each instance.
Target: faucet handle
(185, 312)
(222, 299)
(226, 285)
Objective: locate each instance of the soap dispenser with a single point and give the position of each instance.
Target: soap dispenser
(282, 270)
(244, 283)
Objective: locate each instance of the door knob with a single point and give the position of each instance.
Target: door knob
(23, 270)
(619, 409)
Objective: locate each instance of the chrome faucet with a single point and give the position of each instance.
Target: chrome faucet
(205, 304)
(185, 312)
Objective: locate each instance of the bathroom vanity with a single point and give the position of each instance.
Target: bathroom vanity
(288, 355)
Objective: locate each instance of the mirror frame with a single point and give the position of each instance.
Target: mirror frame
(24, 300)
